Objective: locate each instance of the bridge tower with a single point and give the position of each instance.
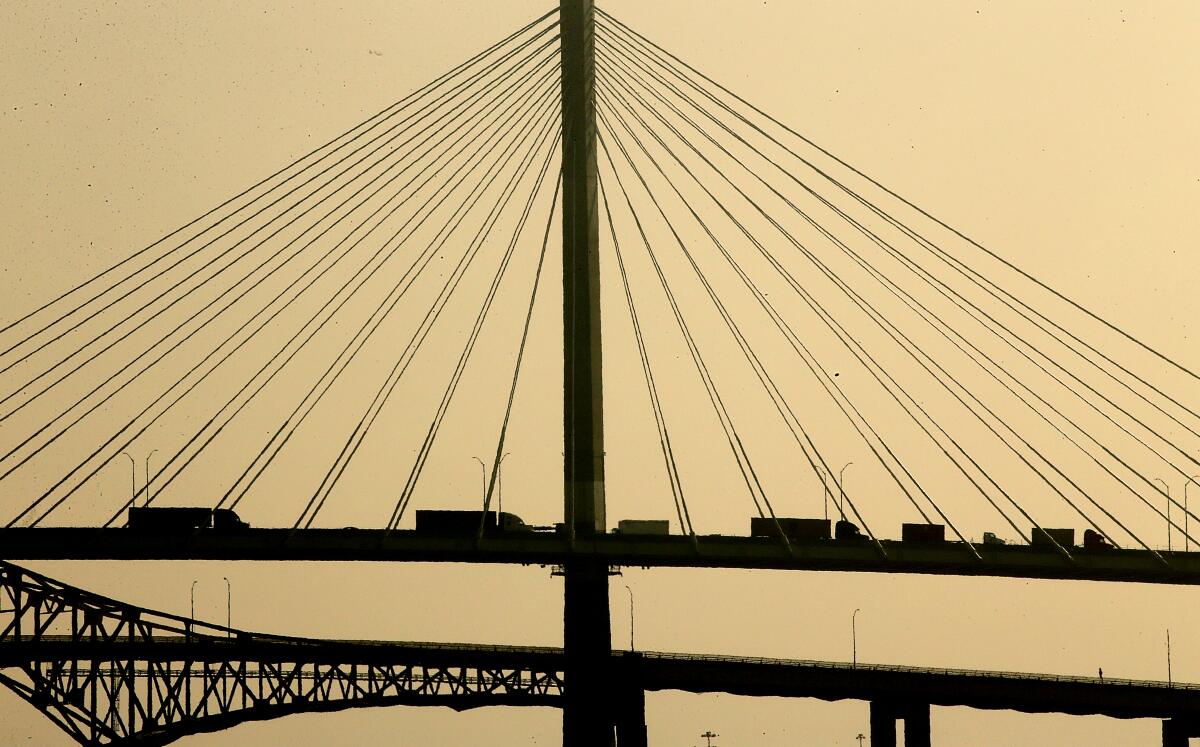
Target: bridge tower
(586, 632)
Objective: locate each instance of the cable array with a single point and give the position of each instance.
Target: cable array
(359, 301)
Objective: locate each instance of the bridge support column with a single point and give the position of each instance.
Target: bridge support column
(916, 724)
(631, 716)
(1176, 732)
(883, 724)
(588, 716)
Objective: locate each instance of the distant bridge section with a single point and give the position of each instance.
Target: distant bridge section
(547, 548)
(111, 673)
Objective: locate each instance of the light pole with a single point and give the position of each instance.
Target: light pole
(631, 648)
(148, 475)
(842, 489)
(483, 473)
(825, 493)
(228, 607)
(192, 619)
(854, 638)
(709, 736)
(1168, 489)
(132, 478)
(1190, 480)
(1169, 658)
(860, 738)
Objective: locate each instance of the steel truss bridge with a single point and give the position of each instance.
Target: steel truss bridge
(734, 250)
(112, 673)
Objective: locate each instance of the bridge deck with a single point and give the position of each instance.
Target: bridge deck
(947, 558)
(699, 673)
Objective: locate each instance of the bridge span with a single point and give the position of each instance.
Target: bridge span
(545, 548)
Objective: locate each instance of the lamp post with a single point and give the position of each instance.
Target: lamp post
(842, 489)
(1190, 480)
(483, 473)
(132, 478)
(860, 738)
(192, 618)
(854, 638)
(1168, 489)
(228, 607)
(148, 475)
(631, 648)
(825, 494)
(1169, 658)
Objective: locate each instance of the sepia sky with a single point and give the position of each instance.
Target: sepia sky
(1060, 135)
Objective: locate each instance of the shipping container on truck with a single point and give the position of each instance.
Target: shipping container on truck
(643, 527)
(923, 532)
(1041, 537)
(793, 529)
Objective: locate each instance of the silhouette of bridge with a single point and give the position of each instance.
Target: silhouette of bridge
(813, 314)
(113, 673)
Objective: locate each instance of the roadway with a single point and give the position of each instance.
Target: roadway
(550, 549)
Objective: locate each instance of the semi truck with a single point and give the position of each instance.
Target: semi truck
(793, 528)
(183, 519)
(449, 522)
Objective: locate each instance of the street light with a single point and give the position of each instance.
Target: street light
(825, 493)
(483, 472)
(148, 475)
(842, 489)
(1168, 489)
(132, 478)
(1169, 658)
(860, 738)
(192, 619)
(228, 607)
(1190, 480)
(854, 638)
(631, 648)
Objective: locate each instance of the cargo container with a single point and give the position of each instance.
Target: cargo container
(643, 526)
(1042, 537)
(923, 532)
(793, 529)
(183, 518)
(1093, 540)
(845, 530)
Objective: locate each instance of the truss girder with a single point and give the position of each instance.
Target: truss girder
(112, 673)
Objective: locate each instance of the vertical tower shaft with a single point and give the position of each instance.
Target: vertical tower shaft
(583, 400)
(587, 721)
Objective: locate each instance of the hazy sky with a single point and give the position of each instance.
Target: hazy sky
(1060, 135)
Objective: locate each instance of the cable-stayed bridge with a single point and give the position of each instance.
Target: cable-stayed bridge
(756, 250)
